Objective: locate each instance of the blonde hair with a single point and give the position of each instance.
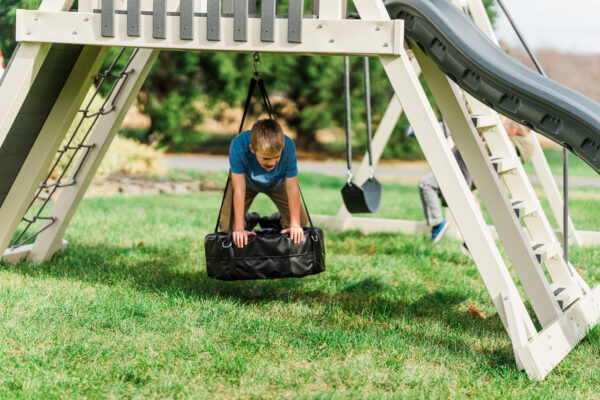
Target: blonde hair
(267, 137)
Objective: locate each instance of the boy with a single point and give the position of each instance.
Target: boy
(263, 160)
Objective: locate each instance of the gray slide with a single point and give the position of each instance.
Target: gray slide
(24, 131)
(453, 41)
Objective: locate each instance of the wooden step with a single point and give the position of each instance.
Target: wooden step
(565, 295)
(545, 251)
(503, 165)
(524, 208)
(484, 120)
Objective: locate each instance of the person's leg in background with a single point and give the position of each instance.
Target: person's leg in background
(430, 192)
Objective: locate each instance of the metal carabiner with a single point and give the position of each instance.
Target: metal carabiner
(349, 181)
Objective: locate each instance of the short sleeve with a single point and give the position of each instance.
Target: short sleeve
(292, 167)
(236, 159)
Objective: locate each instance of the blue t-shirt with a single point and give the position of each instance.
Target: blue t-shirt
(243, 161)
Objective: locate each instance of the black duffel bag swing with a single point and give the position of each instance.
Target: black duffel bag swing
(268, 254)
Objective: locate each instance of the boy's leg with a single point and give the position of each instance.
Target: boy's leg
(226, 209)
(279, 197)
(429, 189)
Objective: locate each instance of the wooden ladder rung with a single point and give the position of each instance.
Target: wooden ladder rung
(565, 295)
(524, 208)
(503, 165)
(545, 251)
(484, 120)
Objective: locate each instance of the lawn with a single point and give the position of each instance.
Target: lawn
(127, 311)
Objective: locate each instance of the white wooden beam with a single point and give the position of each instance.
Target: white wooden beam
(14, 256)
(49, 241)
(37, 162)
(319, 36)
(492, 192)
(445, 168)
(544, 351)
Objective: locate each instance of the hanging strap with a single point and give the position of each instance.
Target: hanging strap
(248, 99)
(348, 117)
(368, 116)
(254, 81)
(222, 201)
(265, 97)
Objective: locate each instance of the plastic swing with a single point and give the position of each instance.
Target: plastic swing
(268, 254)
(365, 198)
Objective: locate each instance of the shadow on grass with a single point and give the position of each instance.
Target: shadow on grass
(159, 270)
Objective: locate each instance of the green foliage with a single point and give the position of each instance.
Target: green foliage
(173, 119)
(489, 8)
(8, 15)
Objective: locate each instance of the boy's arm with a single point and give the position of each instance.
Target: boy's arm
(293, 194)
(240, 234)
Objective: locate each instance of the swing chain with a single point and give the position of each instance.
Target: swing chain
(256, 65)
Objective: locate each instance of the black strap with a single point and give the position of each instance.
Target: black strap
(306, 208)
(222, 201)
(265, 97)
(256, 81)
(248, 99)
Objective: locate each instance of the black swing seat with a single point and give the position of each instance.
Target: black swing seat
(268, 255)
(362, 199)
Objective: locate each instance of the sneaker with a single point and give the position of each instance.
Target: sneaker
(250, 220)
(272, 221)
(465, 250)
(438, 232)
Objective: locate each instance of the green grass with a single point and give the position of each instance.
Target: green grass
(127, 311)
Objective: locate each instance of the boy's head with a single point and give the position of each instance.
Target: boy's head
(267, 141)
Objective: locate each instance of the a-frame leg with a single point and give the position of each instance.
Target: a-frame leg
(49, 139)
(50, 240)
(492, 193)
(445, 168)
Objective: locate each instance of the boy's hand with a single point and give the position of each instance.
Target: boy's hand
(240, 237)
(296, 233)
